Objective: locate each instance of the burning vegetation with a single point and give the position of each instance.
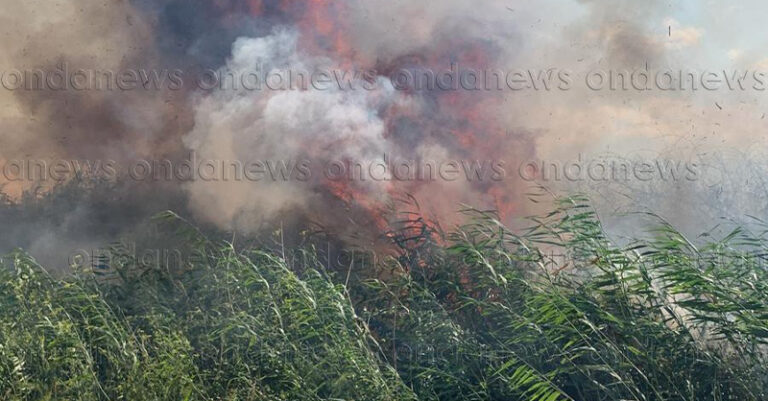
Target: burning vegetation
(339, 200)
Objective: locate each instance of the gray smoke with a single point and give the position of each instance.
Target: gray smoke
(370, 127)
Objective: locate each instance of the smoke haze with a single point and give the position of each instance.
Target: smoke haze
(554, 118)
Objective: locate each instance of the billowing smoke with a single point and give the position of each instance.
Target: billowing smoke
(224, 104)
(287, 133)
(361, 143)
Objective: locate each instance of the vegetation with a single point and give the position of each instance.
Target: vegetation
(552, 312)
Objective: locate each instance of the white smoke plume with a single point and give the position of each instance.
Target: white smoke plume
(302, 129)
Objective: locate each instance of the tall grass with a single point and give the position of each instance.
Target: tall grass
(552, 312)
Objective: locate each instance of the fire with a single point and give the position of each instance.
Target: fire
(345, 192)
(463, 124)
(324, 31)
(255, 7)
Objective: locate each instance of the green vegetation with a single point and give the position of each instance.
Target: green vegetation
(480, 313)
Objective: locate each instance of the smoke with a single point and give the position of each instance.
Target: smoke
(295, 130)
(348, 140)
(50, 123)
(276, 154)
